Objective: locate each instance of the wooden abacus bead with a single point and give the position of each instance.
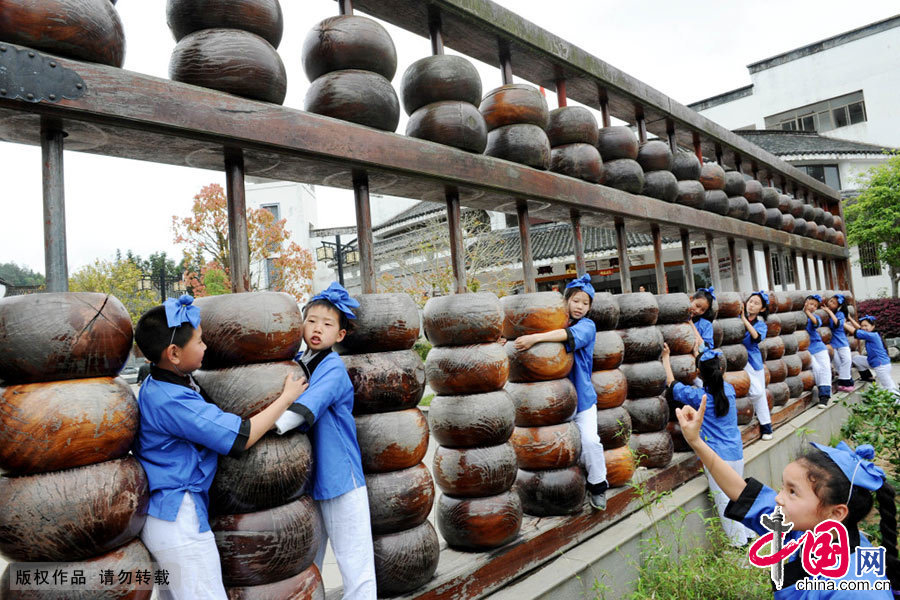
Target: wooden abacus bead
(617, 142)
(718, 333)
(399, 500)
(661, 185)
(830, 235)
(795, 386)
(613, 427)
(611, 387)
(581, 161)
(479, 523)
(548, 447)
(604, 311)
(648, 414)
(72, 514)
(473, 369)
(642, 344)
(770, 399)
(655, 155)
(729, 305)
(798, 299)
(524, 314)
(542, 362)
(49, 337)
(808, 379)
(452, 123)
(475, 472)
(773, 324)
(392, 441)
(787, 223)
(740, 380)
(733, 331)
(744, 408)
(777, 369)
(637, 310)
(479, 419)
(738, 208)
(572, 125)
(440, 78)
(678, 442)
(837, 222)
(734, 184)
(269, 545)
(788, 323)
(674, 309)
(521, 143)
(619, 466)
(274, 471)
(825, 334)
(796, 208)
(306, 585)
(756, 213)
(784, 301)
(828, 219)
(805, 359)
(349, 42)
(406, 560)
(624, 174)
(735, 356)
(819, 217)
(609, 351)
(653, 449)
(539, 403)
(791, 345)
(88, 30)
(65, 424)
(773, 218)
(821, 232)
(554, 492)
(250, 327)
(684, 367)
(644, 379)
(262, 17)
(384, 322)
(839, 239)
(802, 340)
(686, 166)
(715, 201)
(247, 389)
(385, 381)
(515, 104)
(784, 203)
(460, 319)
(809, 212)
(753, 191)
(354, 95)
(770, 197)
(781, 393)
(691, 193)
(774, 347)
(712, 176)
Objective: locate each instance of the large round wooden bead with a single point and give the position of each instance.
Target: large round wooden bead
(808, 379)
(385, 381)
(637, 310)
(655, 155)
(479, 523)
(809, 212)
(753, 191)
(773, 322)
(777, 369)
(802, 340)
(72, 514)
(230, 60)
(661, 185)
(248, 389)
(460, 319)
(653, 450)
(678, 438)
(836, 222)
(795, 386)
(537, 312)
(384, 322)
(262, 17)
(712, 176)
(616, 143)
(744, 409)
(839, 239)
(399, 499)
(729, 304)
(756, 213)
(613, 427)
(829, 219)
(684, 367)
(791, 345)
(554, 492)
(611, 387)
(673, 308)
(581, 161)
(624, 174)
(787, 223)
(306, 585)
(475, 472)
(781, 393)
(784, 203)
(738, 208)
(604, 311)
(788, 322)
(542, 362)
(471, 369)
(619, 466)
(716, 202)
(735, 356)
(770, 197)
(48, 337)
(644, 379)
(270, 545)
(538, 403)
(439, 78)
(796, 208)
(515, 104)
(819, 217)
(830, 234)
(521, 143)
(348, 42)
(686, 166)
(88, 30)
(479, 419)
(734, 184)
(452, 123)
(64, 424)
(642, 344)
(648, 414)
(798, 299)
(548, 447)
(691, 193)
(825, 334)
(406, 560)
(774, 347)
(572, 125)
(357, 96)
(609, 350)
(733, 331)
(272, 472)
(718, 333)
(793, 364)
(740, 380)
(392, 441)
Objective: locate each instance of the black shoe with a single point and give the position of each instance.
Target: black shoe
(866, 376)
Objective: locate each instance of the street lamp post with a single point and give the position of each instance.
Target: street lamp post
(342, 254)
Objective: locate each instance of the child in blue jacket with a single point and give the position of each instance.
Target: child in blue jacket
(821, 363)
(836, 307)
(753, 316)
(876, 357)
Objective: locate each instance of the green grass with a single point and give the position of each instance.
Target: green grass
(426, 400)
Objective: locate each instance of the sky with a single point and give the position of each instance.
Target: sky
(688, 49)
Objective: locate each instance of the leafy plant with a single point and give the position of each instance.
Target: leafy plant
(423, 347)
(876, 421)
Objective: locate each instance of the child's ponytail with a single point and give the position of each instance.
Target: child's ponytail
(711, 372)
(887, 511)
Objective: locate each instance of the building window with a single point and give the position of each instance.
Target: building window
(868, 260)
(545, 270)
(789, 274)
(826, 115)
(827, 174)
(776, 270)
(275, 209)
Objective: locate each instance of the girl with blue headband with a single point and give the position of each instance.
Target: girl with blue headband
(579, 338)
(825, 483)
(753, 316)
(876, 357)
(821, 362)
(836, 307)
(701, 318)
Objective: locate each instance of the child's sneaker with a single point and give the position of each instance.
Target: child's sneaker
(766, 431)
(845, 388)
(598, 501)
(866, 376)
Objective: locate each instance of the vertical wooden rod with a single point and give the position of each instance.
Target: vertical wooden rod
(437, 39)
(505, 63)
(698, 147)
(578, 243)
(364, 232)
(816, 269)
(238, 237)
(770, 275)
(624, 265)
(529, 277)
(806, 271)
(561, 93)
(733, 258)
(713, 258)
(687, 262)
(604, 110)
(738, 166)
(751, 255)
(345, 7)
(670, 132)
(641, 126)
(56, 264)
(457, 247)
(719, 156)
(662, 286)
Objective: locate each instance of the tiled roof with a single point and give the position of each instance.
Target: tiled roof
(781, 143)
(419, 209)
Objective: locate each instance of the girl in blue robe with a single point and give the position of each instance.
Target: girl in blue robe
(821, 363)
(836, 307)
(753, 316)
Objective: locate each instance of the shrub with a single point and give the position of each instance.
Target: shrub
(422, 346)
(887, 313)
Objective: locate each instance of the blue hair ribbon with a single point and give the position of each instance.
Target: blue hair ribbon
(710, 354)
(582, 283)
(339, 297)
(840, 298)
(815, 297)
(710, 290)
(869, 318)
(856, 464)
(763, 295)
(182, 310)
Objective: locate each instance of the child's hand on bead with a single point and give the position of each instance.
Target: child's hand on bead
(294, 387)
(525, 342)
(690, 420)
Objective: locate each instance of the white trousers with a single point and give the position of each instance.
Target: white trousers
(591, 448)
(757, 395)
(882, 373)
(842, 363)
(737, 534)
(821, 368)
(191, 558)
(347, 525)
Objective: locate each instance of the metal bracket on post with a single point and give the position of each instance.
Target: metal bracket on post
(31, 76)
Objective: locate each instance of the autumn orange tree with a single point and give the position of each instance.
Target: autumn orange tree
(205, 235)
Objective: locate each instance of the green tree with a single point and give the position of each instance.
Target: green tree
(119, 277)
(15, 275)
(874, 216)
